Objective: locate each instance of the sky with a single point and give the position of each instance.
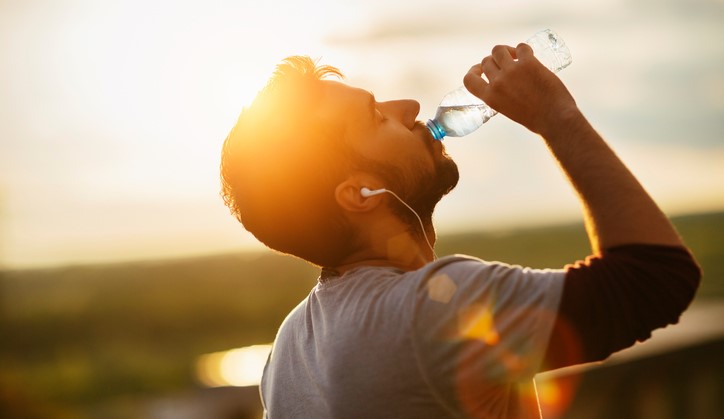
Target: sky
(112, 113)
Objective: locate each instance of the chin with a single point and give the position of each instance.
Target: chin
(448, 174)
(435, 187)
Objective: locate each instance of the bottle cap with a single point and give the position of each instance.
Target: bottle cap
(436, 130)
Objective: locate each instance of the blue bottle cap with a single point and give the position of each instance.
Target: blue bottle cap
(437, 131)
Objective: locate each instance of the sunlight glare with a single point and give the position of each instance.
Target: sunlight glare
(239, 367)
(555, 394)
(477, 322)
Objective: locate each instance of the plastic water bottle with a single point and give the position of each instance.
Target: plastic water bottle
(461, 113)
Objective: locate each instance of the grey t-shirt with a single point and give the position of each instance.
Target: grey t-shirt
(459, 337)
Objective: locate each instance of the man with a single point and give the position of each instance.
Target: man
(321, 170)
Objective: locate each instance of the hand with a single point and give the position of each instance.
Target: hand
(521, 88)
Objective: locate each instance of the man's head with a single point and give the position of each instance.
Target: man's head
(290, 156)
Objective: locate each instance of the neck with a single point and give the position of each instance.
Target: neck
(392, 247)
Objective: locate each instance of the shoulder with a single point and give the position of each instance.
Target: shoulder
(466, 272)
(459, 294)
(483, 311)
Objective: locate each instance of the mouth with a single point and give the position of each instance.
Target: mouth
(421, 129)
(420, 126)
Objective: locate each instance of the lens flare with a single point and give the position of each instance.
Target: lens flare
(476, 322)
(239, 367)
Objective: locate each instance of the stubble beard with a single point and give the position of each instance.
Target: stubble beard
(427, 191)
(421, 189)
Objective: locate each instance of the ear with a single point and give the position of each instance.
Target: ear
(349, 197)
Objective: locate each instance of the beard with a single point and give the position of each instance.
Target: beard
(421, 189)
(425, 192)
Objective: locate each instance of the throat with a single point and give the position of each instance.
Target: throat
(401, 251)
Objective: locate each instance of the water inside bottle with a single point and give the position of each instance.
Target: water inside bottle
(460, 120)
(461, 113)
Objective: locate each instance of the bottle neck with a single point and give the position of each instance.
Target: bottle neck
(437, 131)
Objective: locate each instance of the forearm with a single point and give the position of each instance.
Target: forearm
(641, 276)
(617, 209)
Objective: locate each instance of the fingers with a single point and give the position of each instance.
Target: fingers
(503, 55)
(474, 81)
(490, 67)
(523, 51)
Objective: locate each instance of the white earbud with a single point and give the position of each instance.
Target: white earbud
(367, 192)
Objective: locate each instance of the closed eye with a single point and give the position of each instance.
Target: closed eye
(377, 116)
(381, 117)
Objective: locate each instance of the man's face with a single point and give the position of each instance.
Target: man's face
(389, 142)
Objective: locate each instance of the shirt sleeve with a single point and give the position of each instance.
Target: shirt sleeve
(479, 326)
(612, 301)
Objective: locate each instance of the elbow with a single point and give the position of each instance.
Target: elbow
(689, 275)
(679, 282)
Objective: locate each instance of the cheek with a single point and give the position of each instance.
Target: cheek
(413, 158)
(412, 144)
(420, 164)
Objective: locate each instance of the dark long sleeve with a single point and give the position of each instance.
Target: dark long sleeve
(612, 301)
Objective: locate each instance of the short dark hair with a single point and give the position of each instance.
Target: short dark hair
(281, 163)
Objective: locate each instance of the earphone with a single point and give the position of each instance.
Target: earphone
(367, 192)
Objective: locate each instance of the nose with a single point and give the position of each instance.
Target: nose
(403, 110)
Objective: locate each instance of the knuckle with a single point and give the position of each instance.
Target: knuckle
(499, 49)
(469, 80)
(474, 84)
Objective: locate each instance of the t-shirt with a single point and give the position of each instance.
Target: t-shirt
(459, 337)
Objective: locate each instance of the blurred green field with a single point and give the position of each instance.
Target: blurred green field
(79, 337)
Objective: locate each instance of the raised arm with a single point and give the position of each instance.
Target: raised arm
(640, 277)
(616, 207)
